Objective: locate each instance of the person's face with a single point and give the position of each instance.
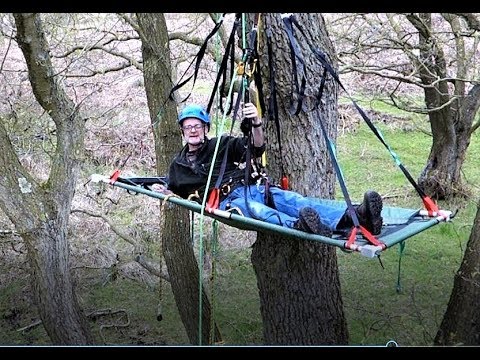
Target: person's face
(193, 131)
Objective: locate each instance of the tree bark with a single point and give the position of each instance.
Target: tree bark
(441, 176)
(179, 256)
(40, 212)
(300, 294)
(461, 322)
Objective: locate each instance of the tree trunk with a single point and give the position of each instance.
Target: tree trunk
(450, 121)
(451, 130)
(41, 212)
(178, 253)
(441, 174)
(461, 322)
(300, 295)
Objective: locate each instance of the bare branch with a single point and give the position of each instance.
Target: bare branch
(147, 264)
(30, 327)
(152, 267)
(130, 22)
(97, 47)
(6, 51)
(130, 60)
(94, 72)
(115, 229)
(471, 20)
(404, 79)
(186, 37)
(418, 23)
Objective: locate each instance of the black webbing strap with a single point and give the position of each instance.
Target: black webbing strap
(222, 71)
(320, 55)
(214, 196)
(295, 54)
(143, 181)
(248, 57)
(273, 105)
(198, 58)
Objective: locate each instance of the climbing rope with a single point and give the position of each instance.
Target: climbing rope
(202, 212)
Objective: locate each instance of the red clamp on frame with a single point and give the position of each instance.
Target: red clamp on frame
(365, 250)
(114, 176)
(430, 206)
(432, 210)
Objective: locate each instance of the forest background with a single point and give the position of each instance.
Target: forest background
(99, 58)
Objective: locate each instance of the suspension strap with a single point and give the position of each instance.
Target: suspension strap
(400, 252)
(198, 58)
(350, 209)
(430, 205)
(273, 108)
(214, 196)
(294, 55)
(222, 71)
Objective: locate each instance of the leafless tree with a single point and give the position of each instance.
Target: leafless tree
(415, 57)
(298, 280)
(40, 211)
(178, 253)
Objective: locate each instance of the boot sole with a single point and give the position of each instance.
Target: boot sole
(310, 220)
(374, 207)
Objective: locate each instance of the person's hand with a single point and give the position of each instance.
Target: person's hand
(161, 189)
(250, 111)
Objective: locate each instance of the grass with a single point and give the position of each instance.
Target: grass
(237, 307)
(376, 312)
(139, 304)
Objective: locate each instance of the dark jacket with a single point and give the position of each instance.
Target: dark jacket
(185, 178)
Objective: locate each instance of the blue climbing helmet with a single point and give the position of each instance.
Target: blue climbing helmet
(194, 111)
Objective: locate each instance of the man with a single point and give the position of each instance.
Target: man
(190, 169)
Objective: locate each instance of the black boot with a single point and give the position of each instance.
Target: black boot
(309, 221)
(368, 213)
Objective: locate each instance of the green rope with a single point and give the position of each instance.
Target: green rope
(202, 212)
(214, 239)
(400, 252)
(213, 253)
(244, 35)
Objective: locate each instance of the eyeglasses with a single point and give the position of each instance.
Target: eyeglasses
(191, 127)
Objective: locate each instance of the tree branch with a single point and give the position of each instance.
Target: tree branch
(94, 72)
(51, 95)
(147, 264)
(471, 19)
(115, 229)
(130, 60)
